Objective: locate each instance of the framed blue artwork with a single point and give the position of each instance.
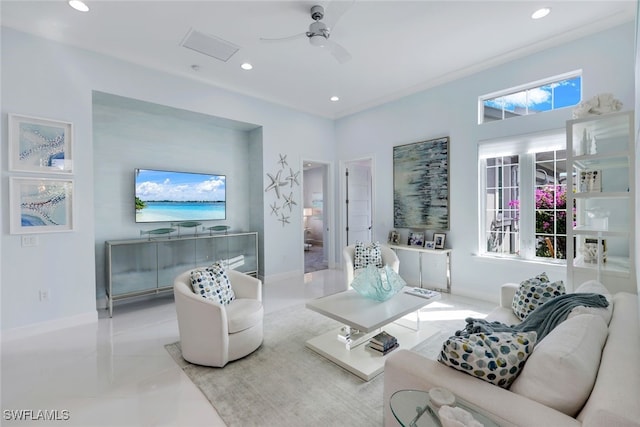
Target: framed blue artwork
(40, 145)
(421, 185)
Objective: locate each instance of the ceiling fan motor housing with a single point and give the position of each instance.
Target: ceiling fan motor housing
(317, 12)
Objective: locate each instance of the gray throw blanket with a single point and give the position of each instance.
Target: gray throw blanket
(542, 320)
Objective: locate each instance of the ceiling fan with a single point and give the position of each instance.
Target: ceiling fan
(320, 31)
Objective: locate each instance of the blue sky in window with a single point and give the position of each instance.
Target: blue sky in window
(565, 93)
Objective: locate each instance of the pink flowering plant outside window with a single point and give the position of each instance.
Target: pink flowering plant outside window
(551, 221)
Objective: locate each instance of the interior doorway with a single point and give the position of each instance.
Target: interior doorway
(315, 213)
(358, 184)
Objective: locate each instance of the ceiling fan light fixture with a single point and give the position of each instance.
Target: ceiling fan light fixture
(317, 40)
(541, 13)
(79, 5)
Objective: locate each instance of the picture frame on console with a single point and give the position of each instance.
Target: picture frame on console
(430, 244)
(416, 238)
(394, 237)
(438, 240)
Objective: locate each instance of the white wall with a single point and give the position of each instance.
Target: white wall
(607, 61)
(47, 79)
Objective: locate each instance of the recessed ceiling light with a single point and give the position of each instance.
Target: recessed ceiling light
(195, 67)
(78, 5)
(334, 99)
(540, 13)
(246, 66)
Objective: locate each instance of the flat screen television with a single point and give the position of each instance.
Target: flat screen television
(172, 196)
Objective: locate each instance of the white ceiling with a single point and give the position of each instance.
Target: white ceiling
(397, 47)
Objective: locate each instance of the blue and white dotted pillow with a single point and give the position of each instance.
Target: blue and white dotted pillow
(213, 283)
(534, 292)
(497, 358)
(366, 255)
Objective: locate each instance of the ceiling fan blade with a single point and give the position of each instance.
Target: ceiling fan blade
(334, 11)
(340, 53)
(280, 39)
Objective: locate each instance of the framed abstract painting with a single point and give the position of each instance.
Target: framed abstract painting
(40, 145)
(421, 185)
(40, 205)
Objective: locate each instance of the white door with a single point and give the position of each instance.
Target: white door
(358, 201)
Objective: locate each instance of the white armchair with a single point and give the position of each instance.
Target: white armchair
(213, 334)
(389, 258)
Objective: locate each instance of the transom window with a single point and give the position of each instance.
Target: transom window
(545, 95)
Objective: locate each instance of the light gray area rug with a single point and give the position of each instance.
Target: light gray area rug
(283, 383)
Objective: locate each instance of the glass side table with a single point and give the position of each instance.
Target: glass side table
(413, 408)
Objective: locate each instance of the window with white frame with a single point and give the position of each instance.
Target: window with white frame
(533, 98)
(523, 197)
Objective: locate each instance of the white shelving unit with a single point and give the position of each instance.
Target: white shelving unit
(147, 266)
(601, 159)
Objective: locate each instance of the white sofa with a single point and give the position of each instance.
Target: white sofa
(614, 399)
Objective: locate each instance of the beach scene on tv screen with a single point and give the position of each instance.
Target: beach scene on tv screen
(179, 196)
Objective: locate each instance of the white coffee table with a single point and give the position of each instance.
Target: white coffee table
(362, 318)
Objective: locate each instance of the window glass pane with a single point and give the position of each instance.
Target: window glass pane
(533, 100)
(502, 205)
(550, 204)
(568, 93)
(540, 99)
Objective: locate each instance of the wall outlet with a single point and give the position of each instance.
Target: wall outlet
(29, 240)
(44, 295)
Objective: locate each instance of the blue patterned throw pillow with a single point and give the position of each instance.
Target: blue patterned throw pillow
(534, 292)
(497, 358)
(366, 255)
(213, 283)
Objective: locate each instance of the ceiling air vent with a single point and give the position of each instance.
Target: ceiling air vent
(209, 45)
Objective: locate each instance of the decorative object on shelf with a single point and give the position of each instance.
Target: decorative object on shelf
(416, 238)
(187, 224)
(40, 205)
(590, 181)
(598, 219)
(430, 244)
(276, 181)
(379, 284)
(157, 232)
(421, 185)
(598, 105)
(438, 239)
(394, 237)
(40, 145)
(590, 250)
(217, 229)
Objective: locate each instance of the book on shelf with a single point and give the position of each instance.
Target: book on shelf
(383, 339)
(420, 292)
(390, 349)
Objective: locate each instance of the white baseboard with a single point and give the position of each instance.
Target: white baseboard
(49, 326)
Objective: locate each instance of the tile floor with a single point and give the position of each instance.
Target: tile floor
(117, 372)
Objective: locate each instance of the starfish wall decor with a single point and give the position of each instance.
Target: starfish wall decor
(276, 180)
